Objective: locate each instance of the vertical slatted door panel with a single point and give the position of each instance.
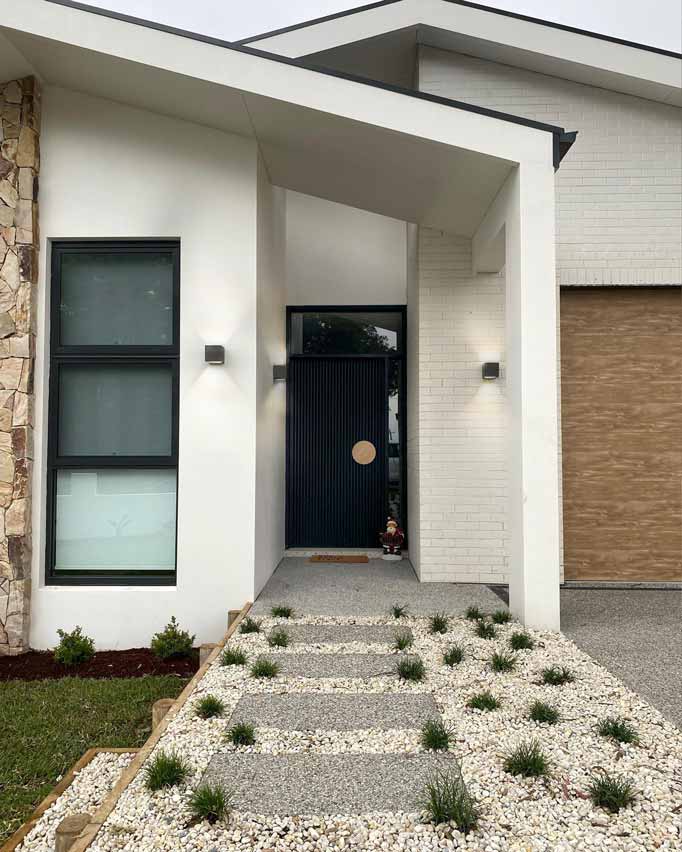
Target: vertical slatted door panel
(331, 500)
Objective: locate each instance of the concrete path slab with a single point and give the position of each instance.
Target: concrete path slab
(329, 634)
(370, 589)
(338, 665)
(335, 711)
(317, 784)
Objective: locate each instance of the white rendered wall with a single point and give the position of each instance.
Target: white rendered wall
(619, 188)
(270, 396)
(113, 171)
(462, 425)
(338, 255)
(414, 521)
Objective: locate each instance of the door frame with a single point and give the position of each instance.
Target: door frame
(399, 356)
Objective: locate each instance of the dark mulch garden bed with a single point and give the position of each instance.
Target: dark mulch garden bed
(135, 662)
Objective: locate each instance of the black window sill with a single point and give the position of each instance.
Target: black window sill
(88, 579)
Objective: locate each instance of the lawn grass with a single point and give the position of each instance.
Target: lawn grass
(48, 724)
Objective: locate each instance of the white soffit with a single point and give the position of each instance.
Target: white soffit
(496, 36)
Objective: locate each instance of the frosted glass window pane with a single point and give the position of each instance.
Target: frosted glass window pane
(115, 520)
(116, 299)
(115, 410)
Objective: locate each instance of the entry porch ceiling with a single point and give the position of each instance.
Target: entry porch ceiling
(319, 153)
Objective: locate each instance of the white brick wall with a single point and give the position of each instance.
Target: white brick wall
(461, 421)
(619, 189)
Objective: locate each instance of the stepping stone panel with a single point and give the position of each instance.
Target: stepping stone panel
(328, 634)
(332, 712)
(338, 665)
(318, 784)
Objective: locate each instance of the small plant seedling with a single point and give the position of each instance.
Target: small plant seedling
(74, 647)
(281, 611)
(501, 616)
(557, 676)
(250, 625)
(521, 641)
(454, 655)
(611, 793)
(242, 734)
(483, 701)
(485, 630)
(446, 798)
(210, 803)
(541, 712)
(528, 760)
(264, 668)
(399, 610)
(278, 639)
(233, 657)
(403, 640)
(411, 668)
(473, 613)
(172, 642)
(209, 706)
(438, 623)
(502, 662)
(434, 735)
(165, 770)
(618, 729)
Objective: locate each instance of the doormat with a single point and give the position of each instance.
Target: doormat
(340, 557)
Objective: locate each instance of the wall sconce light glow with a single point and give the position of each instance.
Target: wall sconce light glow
(214, 354)
(279, 373)
(491, 370)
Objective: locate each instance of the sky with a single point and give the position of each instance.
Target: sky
(653, 22)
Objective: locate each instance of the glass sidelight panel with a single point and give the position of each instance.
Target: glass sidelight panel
(341, 333)
(115, 520)
(115, 410)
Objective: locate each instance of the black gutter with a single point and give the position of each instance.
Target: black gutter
(492, 9)
(562, 139)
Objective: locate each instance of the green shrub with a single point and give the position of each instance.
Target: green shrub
(74, 648)
(434, 735)
(528, 760)
(411, 668)
(250, 625)
(278, 639)
(242, 734)
(165, 770)
(541, 712)
(403, 640)
(611, 793)
(438, 623)
(172, 642)
(399, 610)
(557, 676)
(233, 657)
(209, 706)
(264, 668)
(473, 613)
(447, 799)
(485, 630)
(281, 611)
(618, 729)
(210, 803)
(521, 641)
(483, 701)
(454, 655)
(502, 662)
(501, 616)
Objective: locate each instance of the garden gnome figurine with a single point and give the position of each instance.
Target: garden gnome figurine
(392, 540)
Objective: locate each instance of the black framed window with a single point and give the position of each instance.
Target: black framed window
(113, 412)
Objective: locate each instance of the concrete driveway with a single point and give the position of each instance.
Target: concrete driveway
(636, 635)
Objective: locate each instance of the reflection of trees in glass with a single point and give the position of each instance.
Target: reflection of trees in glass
(323, 334)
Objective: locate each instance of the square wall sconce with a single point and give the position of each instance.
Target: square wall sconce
(491, 370)
(279, 373)
(214, 354)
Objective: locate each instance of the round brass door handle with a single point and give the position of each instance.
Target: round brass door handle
(364, 452)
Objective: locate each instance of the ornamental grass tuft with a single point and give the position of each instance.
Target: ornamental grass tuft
(501, 616)
(278, 638)
(544, 713)
(557, 676)
(483, 701)
(611, 793)
(434, 735)
(521, 641)
(485, 630)
(454, 655)
(411, 668)
(264, 668)
(528, 760)
(473, 613)
(399, 610)
(502, 662)
(616, 728)
(403, 639)
(281, 611)
(242, 734)
(165, 770)
(209, 706)
(438, 623)
(210, 802)
(233, 657)
(446, 798)
(250, 625)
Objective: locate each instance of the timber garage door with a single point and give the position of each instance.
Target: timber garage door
(621, 386)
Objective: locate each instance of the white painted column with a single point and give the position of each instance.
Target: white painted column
(534, 559)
